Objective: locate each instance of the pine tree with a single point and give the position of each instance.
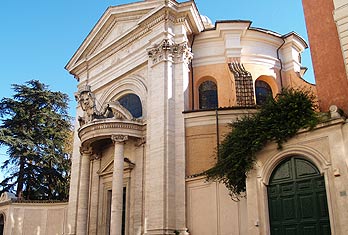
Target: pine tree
(35, 128)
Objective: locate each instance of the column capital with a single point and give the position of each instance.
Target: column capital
(86, 150)
(160, 51)
(182, 53)
(119, 138)
(95, 156)
(168, 49)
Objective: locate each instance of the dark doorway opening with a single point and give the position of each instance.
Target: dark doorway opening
(297, 199)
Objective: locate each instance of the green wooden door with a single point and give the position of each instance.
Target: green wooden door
(297, 199)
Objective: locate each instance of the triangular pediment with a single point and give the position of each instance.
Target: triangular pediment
(121, 25)
(115, 23)
(118, 29)
(109, 166)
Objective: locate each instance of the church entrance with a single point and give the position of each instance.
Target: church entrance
(297, 199)
(2, 224)
(108, 214)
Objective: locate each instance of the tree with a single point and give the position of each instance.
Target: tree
(276, 121)
(35, 128)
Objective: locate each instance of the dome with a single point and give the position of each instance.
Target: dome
(207, 22)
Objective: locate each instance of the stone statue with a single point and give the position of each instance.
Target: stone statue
(86, 100)
(115, 110)
(6, 196)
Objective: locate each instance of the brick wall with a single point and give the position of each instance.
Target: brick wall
(329, 70)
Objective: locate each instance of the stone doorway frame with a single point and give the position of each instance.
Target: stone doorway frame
(258, 180)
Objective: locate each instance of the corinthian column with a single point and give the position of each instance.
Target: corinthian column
(117, 185)
(82, 211)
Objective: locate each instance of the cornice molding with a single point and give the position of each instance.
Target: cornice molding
(204, 118)
(78, 63)
(178, 13)
(105, 129)
(124, 41)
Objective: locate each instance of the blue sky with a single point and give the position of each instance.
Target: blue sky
(39, 37)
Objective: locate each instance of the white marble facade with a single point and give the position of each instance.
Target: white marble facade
(140, 49)
(128, 171)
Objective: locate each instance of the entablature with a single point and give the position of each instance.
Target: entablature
(106, 128)
(209, 117)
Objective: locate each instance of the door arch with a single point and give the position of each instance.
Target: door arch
(297, 199)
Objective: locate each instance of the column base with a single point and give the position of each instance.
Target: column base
(183, 231)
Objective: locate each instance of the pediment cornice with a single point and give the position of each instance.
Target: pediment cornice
(146, 17)
(98, 34)
(107, 28)
(108, 167)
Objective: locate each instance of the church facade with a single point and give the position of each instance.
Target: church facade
(158, 86)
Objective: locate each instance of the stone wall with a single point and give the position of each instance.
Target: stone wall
(34, 218)
(326, 148)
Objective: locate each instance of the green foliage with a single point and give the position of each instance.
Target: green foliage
(35, 127)
(277, 120)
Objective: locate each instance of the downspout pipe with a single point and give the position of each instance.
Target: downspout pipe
(192, 80)
(281, 64)
(217, 131)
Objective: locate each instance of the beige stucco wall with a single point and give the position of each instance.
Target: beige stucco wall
(34, 218)
(201, 136)
(201, 146)
(212, 211)
(221, 75)
(326, 146)
(292, 79)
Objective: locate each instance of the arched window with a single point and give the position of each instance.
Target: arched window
(263, 90)
(133, 104)
(208, 98)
